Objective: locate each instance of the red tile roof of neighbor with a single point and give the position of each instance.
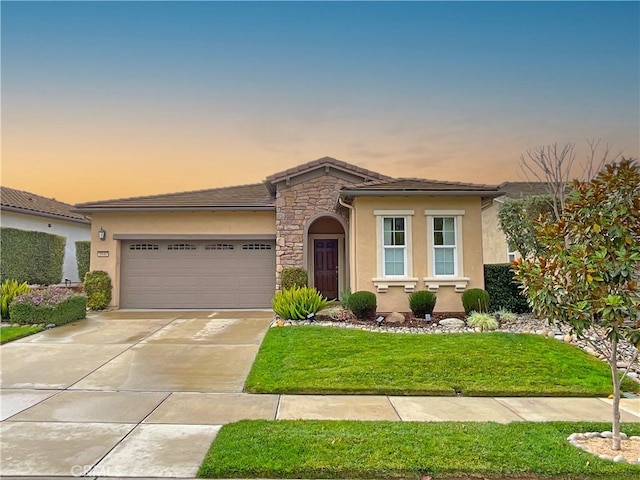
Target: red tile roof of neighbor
(25, 202)
(258, 196)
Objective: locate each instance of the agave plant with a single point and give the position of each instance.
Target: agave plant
(297, 303)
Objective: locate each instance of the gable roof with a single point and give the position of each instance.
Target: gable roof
(420, 186)
(327, 162)
(241, 197)
(19, 201)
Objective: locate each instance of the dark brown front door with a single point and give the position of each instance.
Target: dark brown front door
(325, 264)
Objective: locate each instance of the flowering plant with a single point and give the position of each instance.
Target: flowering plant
(45, 296)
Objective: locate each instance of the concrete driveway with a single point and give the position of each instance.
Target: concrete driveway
(127, 393)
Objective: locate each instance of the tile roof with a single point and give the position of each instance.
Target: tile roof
(241, 196)
(26, 202)
(421, 185)
(276, 177)
(523, 189)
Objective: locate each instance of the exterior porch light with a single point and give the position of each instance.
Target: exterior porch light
(102, 234)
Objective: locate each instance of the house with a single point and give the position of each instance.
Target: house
(495, 248)
(28, 211)
(348, 226)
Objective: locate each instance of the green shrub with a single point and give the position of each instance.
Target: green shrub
(97, 286)
(83, 256)
(10, 289)
(503, 290)
(483, 321)
(363, 305)
(475, 300)
(422, 303)
(32, 257)
(344, 297)
(297, 303)
(51, 305)
(294, 277)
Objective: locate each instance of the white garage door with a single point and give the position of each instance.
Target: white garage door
(197, 273)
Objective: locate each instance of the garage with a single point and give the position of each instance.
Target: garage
(197, 273)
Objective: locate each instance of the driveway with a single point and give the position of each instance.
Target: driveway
(127, 393)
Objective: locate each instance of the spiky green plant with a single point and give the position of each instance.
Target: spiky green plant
(505, 315)
(296, 303)
(10, 289)
(483, 321)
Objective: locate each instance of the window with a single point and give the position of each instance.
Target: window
(256, 246)
(444, 245)
(181, 246)
(143, 246)
(394, 243)
(218, 246)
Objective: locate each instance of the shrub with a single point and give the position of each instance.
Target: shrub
(32, 257)
(363, 305)
(9, 290)
(83, 256)
(483, 321)
(97, 286)
(422, 302)
(475, 300)
(297, 303)
(344, 297)
(49, 305)
(504, 291)
(294, 277)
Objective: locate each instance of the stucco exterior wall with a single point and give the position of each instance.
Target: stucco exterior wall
(366, 246)
(72, 231)
(167, 223)
(494, 242)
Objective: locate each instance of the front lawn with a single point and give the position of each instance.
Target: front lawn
(346, 449)
(9, 334)
(317, 360)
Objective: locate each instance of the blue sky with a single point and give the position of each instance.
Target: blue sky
(190, 95)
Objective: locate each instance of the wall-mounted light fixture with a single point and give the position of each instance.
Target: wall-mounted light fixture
(102, 235)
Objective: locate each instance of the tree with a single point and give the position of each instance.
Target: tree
(588, 276)
(517, 216)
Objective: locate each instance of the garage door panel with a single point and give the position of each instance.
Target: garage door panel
(197, 274)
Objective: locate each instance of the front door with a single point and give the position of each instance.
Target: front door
(325, 265)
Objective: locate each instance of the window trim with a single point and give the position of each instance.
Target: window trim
(457, 280)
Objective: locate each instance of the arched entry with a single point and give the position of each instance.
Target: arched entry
(325, 254)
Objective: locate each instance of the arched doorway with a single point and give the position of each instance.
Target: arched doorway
(325, 245)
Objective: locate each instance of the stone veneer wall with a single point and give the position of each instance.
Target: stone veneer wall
(294, 206)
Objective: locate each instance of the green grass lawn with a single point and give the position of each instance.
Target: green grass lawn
(8, 334)
(332, 449)
(317, 360)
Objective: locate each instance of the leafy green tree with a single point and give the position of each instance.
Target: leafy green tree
(517, 217)
(588, 276)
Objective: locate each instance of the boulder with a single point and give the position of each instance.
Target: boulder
(394, 317)
(451, 323)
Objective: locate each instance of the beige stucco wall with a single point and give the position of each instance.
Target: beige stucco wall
(167, 223)
(365, 249)
(494, 242)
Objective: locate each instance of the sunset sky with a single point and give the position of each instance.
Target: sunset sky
(108, 99)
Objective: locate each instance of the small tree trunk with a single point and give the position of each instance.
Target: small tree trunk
(613, 363)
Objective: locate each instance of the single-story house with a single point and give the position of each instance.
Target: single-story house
(28, 211)
(348, 226)
(495, 247)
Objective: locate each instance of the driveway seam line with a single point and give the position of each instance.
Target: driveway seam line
(508, 407)
(394, 408)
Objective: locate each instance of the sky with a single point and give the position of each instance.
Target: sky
(104, 100)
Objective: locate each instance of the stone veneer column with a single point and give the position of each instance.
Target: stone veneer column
(294, 206)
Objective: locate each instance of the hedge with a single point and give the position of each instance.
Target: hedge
(83, 256)
(75, 308)
(504, 291)
(32, 257)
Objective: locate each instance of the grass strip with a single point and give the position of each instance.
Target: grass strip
(317, 360)
(348, 449)
(9, 334)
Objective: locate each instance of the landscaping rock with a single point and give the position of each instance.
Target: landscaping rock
(619, 458)
(395, 317)
(567, 338)
(50, 325)
(451, 323)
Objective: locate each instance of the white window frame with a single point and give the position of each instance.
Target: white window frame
(453, 247)
(381, 280)
(433, 281)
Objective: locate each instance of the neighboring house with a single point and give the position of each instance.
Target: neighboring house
(27, 211)
(349, 227)
(494, 242)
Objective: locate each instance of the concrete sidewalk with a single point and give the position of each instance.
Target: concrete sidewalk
(143, 394)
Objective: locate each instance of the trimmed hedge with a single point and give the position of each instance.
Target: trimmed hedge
(475, 300)
(504, 291)
(363, 305)
(294, 277)
(70, 310)
(97, 286)
(83, 257)
(32, 257)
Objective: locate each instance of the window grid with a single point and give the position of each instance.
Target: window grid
(219, 246)
(444, 246)
(143, 246)
(256, 246)
(181, 246)
(394, 246)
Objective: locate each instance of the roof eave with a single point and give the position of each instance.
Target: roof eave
(252, 208)
(415, 193)
(36, 213)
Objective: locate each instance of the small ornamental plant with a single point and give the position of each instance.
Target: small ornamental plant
(48, 305)
(482, 321)
(11, 289)
(298, 303)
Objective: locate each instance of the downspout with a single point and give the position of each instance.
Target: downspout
(352, 244)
